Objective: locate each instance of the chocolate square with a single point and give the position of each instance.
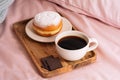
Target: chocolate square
(50, 63)
(44, 61)
(54, 64)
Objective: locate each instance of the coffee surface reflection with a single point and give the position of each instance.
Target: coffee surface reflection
(72, 42)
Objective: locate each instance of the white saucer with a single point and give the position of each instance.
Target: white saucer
(29, 31)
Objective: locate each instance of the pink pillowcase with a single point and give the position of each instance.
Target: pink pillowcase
(105, 10)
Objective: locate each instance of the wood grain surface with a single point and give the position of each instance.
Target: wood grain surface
(38, 50)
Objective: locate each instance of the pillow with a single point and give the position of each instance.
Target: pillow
(4, 4)
(105, 10)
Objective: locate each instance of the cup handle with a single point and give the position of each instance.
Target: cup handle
(95, 44)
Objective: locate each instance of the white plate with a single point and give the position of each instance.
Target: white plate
(29, 31)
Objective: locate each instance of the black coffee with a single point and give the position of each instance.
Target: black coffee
(72, 42)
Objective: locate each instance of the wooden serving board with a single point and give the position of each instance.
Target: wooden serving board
(38, 50)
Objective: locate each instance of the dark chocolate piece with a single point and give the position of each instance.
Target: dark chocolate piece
(44, 61)
(54, 64)
(50, 63)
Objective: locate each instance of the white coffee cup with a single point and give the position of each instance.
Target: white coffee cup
(75, 54)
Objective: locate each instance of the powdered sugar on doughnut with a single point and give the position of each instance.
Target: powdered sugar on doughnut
(47, 18)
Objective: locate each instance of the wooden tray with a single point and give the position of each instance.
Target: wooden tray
(38, 50)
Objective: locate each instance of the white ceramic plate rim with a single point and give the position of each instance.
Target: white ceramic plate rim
(30, 32)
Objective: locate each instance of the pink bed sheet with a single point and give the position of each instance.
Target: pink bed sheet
(15, 63)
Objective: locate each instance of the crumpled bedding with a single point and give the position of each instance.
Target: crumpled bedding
(15, 63)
